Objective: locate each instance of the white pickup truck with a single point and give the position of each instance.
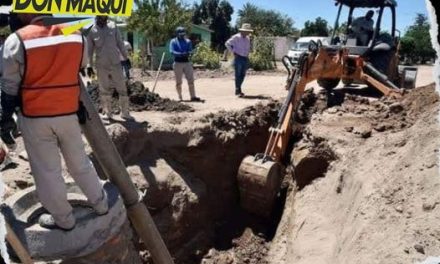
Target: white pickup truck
(302, 44)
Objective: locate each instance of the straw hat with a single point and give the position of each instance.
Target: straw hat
(246, 27)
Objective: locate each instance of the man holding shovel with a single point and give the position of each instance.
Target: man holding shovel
(181, 48)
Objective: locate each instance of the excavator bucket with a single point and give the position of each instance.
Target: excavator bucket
(260, 176)
(259, 182)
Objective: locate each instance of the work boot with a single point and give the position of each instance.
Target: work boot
(47, 221)
(195, 99)
(107, 107)
(125, 113)
(101, 206)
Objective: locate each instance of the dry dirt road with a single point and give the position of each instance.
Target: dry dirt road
(218, 93)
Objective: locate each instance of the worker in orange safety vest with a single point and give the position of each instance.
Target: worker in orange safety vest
(40, 82)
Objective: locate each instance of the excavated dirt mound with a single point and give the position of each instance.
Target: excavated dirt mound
(140, 99)
(376, 200)
(391, 114)
(362, 185)
(229, 124)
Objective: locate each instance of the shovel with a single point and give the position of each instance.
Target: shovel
(158, 71)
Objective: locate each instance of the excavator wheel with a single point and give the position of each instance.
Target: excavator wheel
(328, 84)
(259, 182)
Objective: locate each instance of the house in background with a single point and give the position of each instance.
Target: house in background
(138, 41)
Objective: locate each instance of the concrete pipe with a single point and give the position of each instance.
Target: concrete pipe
(114, 168)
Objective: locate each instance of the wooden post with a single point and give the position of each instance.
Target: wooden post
(16, 244)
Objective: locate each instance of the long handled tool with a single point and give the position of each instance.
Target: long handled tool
(16, 244)
(158, 71)
(114, 168)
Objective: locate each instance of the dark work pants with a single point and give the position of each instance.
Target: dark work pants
(126, 69)
(240, 66)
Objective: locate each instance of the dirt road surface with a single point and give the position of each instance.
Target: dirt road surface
(218, 93)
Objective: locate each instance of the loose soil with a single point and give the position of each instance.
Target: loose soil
(361, 183)
(376, 202)
(140, 99)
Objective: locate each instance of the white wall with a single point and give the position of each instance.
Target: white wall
(282, 45)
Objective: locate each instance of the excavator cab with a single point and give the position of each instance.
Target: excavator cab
(352, 33)
(376, 43)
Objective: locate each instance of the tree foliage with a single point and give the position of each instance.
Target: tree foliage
(217, 14)
(416, 43)
(319, 27)
(265, 22)
(262, 57)
(206, 56)
(340, 30)
(158, 19)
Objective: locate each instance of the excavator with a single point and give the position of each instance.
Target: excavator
(376, 65)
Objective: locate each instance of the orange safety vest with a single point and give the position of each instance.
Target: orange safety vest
(50, 85)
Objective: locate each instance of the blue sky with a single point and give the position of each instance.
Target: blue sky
(302, 10)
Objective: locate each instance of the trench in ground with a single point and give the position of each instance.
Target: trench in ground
(190, 186)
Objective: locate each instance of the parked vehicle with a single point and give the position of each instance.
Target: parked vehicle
(302, 44)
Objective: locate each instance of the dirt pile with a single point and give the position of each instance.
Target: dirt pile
(228, 125)
(247, 248)
(391, 114)
(375, 202)
(140, 99)
(363, 187)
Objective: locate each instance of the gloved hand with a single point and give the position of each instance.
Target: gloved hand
(90, 72)
(83, 72)
(7, 122)
(6, 128)
(128, 63)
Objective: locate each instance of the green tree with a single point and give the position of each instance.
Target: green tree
(416, 43)
(317, 28)
(217, 14)
(261, 59)
(158, 19)
(265, 22)
(340, 30)
(407, 48)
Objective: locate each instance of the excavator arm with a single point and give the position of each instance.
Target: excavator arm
(260, 176)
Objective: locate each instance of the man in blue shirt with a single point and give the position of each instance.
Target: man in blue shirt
(181, 48)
